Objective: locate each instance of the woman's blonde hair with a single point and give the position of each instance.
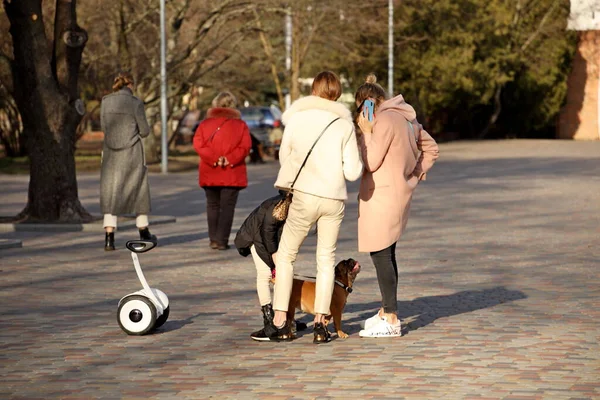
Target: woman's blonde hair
(327, 85)
(370, 89)
(121, 80)
(225, 100)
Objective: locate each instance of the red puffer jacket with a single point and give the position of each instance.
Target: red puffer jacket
(231, 139)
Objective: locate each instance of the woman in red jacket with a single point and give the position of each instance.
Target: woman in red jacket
(222, 141)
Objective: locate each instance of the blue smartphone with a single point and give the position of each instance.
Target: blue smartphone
(369, 109)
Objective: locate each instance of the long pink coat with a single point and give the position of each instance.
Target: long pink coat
(393, 168)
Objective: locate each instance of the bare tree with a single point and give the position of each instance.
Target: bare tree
(45, 71)
(321, 33)
(11, 127)
(267, 46)
(202, 36)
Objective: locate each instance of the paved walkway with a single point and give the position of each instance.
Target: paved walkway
(499, 287)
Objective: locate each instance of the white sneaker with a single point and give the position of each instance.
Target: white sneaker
(382, 329)
(370, 322)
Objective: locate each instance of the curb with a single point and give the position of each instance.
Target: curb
(124, 224)
(10, 244)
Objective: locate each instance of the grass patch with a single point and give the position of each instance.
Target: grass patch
(20, 165)
(14, 166)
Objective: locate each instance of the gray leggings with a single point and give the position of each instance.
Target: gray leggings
(387, 276)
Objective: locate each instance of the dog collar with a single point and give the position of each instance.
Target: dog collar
(340, 284)
(346, 288)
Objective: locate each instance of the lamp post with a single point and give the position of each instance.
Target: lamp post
(163, 89)
(288, 53)
(391, 48)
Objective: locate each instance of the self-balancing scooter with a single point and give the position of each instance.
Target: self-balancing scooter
(145, 310)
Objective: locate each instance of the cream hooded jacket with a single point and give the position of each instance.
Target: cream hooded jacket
(335, 158)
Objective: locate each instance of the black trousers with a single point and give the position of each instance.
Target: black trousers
(220, 208)
(387, 276)
(255, 154)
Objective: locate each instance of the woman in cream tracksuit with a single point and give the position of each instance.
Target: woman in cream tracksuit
(319, 193)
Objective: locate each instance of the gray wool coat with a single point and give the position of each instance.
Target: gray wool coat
(124, 185)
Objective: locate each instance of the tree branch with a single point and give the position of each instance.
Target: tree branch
(226, 7)
(69, 42)
(206, 52)
(311, 35)
(210, 22)
(123, 39)
(496, 113)
(268, 49)
(217, 64)
(536, 33)
(178, 18)
(7, 81)
(152, 8)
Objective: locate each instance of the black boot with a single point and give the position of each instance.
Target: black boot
(146, 235)
(109, 241)
(321, 333)
(268, 314)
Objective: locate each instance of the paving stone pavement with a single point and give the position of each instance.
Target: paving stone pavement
(499, 288)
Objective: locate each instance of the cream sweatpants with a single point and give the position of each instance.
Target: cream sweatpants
(141, 221)
(263, 278)
(305, 211)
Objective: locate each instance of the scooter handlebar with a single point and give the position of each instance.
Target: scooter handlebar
(141, 246)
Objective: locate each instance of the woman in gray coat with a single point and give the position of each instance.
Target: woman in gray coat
(124, 185)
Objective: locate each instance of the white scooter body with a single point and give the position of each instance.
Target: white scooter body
(147, 309)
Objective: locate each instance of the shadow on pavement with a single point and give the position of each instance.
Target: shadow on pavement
(170, 326)
(423, 311)
(184, 238)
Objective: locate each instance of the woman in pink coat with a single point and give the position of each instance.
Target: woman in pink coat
(396, 153)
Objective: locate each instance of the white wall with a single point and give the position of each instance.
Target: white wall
(585, 15)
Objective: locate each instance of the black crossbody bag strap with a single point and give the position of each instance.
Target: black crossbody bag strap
(217, 130)
(310, 151)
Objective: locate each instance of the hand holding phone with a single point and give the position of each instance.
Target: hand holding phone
(369, 109)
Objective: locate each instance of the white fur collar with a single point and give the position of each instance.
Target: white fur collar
(318, 103)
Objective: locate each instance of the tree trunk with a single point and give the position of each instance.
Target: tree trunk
(296, 62)
(49, 105)
(495, 114)
(123, 42)
(580, 117)
(152, 150)
(268, 49)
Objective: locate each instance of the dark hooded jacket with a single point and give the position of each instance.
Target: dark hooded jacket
(261, 230)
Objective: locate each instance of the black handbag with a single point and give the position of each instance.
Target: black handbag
(280, 211)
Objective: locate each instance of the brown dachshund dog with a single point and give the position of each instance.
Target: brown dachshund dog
(303, 295)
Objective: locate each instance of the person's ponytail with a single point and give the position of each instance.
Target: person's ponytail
(370, 89)
(122, 80)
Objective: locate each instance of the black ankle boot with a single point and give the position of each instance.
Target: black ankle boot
(268, 314)
(109, 241)
(321, 333)
(146, 235)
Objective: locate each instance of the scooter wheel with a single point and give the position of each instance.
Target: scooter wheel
(136, 315)
(163, 318)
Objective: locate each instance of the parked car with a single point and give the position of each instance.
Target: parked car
(261, 120)
(186, 127)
